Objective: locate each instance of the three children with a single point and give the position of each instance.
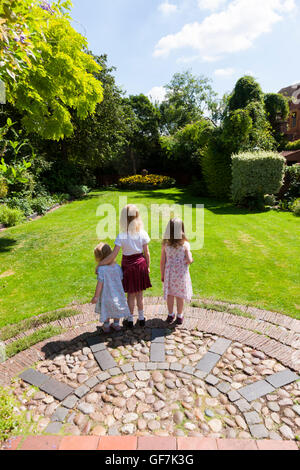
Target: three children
(134, 278)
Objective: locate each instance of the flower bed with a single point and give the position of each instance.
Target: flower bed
(145, 182)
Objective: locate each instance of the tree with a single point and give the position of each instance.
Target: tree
(143, 132)
(277, 109)
(59, 74)
(188, 98)
(245, 91)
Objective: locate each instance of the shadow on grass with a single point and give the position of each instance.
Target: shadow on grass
(124, 337)
(7, 244)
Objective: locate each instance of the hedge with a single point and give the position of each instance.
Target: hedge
(255, 175)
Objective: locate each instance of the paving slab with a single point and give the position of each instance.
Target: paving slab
(233, 395)
(243, 405)
(95, 344)
(139, 366)
(115, 371)
(208, 362)
(103, 376)
(211, 379)
(259, 431)
(92, 382)
(220, 346)
(58, 390)
(70, 401)
(126, 368)
(157, 352)
(151, 365)
(176, 366)
(188, 370)
(60, 414)
(223, 387)
(282, 378)
(34, 377)
(256, 390)
(105, 359)
(158, 335)
(252, 418)
(81, 391)
(53, 428)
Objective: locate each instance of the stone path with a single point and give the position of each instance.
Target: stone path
(158, 381)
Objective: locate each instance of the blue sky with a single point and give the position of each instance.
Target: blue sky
(149, 40)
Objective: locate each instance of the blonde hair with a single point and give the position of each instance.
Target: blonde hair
(175, 234)
(102, 251)
(130, 220)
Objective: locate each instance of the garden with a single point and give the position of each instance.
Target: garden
(72, 140)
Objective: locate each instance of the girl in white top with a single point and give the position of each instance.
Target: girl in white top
(133, 241)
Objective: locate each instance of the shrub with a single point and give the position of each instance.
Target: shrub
(3, 188)
(9, 422)
(145, 182)
(293, 145)
(10, 217)
(24, 204)
(296, 208)
(270, 200)
(42, 204)
(78, 191)
(292, 178)
(256, 174)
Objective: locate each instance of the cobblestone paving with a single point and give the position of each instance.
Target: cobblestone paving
(139, 397)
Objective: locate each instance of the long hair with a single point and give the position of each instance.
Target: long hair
(175, 234)
(130, 220)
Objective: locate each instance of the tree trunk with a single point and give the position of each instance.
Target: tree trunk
(132, 156)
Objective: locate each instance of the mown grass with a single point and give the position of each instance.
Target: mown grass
(24, 343)
(10, 331)
(247, 258)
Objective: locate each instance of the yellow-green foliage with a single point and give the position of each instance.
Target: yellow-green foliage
(256, 174)
(152, 181)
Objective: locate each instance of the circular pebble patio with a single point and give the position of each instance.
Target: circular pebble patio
(167, 398)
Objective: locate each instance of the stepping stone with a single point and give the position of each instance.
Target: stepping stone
(95, 344)
(256, 390)
(70, 401)
(211, 380)
(224, 387)
(208, 362)
(126, 368)
(158, 335)
(282, 378)
(139, 366)
(92, 382)
(151, 366)
(252, 418)
(58, 390)
(60, 414)
(220, 346)
(34, 377)
(105, 359)
(259, 431)
(176, 366)
(103, 376)
(81, 391)
(233, 396)
(53, 428)
(157, 352)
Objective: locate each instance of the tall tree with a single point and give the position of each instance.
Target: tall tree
(188, 98)
(57, 76)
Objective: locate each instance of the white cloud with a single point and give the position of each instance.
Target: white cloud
(157, 94)
(211, 4)
(232, 30)
(167, 8)
(224, 72)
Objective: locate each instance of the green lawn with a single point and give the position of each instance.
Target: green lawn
(247, 258)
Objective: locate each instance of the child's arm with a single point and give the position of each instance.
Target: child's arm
(163, 263)
(97, 292)
(188, 256)
(147, 255)
(109, 259)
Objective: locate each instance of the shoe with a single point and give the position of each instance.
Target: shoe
(128, 324)
(106, 330)
(141, 323)
(116, 327)
(170, 318)
(179, 321)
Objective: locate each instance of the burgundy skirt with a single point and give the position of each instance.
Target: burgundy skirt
(135, 273)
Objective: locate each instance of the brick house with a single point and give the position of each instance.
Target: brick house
(292, 127)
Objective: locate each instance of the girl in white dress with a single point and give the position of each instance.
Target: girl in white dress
(175, 260)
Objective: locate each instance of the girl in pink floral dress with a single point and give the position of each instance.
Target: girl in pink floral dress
(174, 266)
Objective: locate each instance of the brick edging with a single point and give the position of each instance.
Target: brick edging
(142, 443)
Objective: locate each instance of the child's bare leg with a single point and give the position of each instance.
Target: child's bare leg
(180, 305)
(140, 305)
(131, 304)
(170, 303)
